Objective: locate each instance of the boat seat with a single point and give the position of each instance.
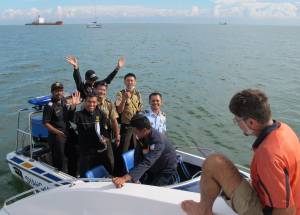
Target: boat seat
(97, 172)
(128, 158)
(38, 150)
(182, 168)
(38, 131)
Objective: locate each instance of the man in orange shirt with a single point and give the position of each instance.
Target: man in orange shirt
(275, 167)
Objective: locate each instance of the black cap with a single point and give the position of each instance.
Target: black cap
(56, 85)
(91, 75)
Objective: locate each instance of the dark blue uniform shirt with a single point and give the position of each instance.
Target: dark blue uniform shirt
(56, 113)
(156, 155)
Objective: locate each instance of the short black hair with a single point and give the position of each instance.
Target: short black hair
(130, 75)
(100, 83)
(251, 103)
(90, 95)
(140, 121)
(155, 94)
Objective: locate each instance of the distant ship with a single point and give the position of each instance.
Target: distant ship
(94, 25)
(223, 23)
(41, 21)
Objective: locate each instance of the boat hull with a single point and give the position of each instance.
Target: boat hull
(93, 26)
(104, 198)
(35, 173)
(47, 23)
(38, 174)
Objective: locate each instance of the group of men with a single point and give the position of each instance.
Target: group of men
(274, 187)
(100, 131)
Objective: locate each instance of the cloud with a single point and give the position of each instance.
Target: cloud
(100, 11)
(254, 9)
(195, 11)
(21, 13)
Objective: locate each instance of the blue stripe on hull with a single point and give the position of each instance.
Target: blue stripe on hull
(38, 170)
(17, 160)
(52, 177)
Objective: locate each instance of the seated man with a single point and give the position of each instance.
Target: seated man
(156, 117)
(275, 166)
(154, 156)
(92, 136)
(90, 76)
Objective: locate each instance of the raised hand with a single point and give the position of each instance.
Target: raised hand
(75, 98)
(121, 62)
(127, 95)
(73, 61)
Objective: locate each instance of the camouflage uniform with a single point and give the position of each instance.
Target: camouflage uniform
(110, 114)
(109, 110)
(132, 106)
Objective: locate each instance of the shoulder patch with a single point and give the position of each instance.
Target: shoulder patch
(50, 104)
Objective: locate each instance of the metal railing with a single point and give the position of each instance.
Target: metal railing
(24, 132)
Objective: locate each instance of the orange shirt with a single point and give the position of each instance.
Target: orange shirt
(275, 167)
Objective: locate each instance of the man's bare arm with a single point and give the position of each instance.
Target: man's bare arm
(116, 130)
(53, 130)
(120, 105)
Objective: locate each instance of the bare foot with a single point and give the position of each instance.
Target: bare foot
(191, 207)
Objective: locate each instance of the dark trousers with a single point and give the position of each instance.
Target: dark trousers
(72, 152)
(164, 178)
(57, 146)
(127, 142)
(90, 158)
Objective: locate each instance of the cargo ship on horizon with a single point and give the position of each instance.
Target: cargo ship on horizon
(41, 21)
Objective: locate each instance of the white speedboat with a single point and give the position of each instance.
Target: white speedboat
(94, 25)
(30, 164)
(82, 198)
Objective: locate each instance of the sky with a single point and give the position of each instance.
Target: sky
(187, 11)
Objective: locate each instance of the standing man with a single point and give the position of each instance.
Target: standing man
(111, 123)
(55, 119)
(128, 103)
(154, 156)
(93, 136)
(156, 117)
(90, 76)
(109, 109)
(275, 166)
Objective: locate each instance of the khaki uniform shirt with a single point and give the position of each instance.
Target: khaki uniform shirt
(132, 105)
(109, 110)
